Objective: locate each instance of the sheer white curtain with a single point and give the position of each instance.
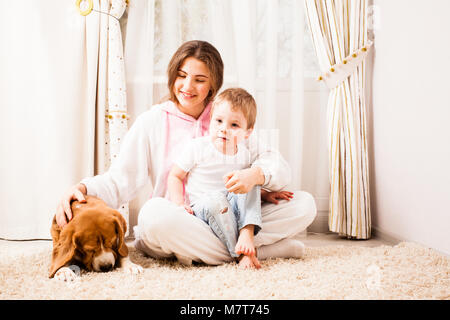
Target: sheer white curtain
(47, 100)
(54, 85)
(58, 117)
(261, 43)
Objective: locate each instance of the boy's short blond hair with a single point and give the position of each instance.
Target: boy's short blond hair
(241, 100)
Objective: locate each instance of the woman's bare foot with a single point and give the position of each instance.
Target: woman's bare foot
(249, 262)
(245, 244)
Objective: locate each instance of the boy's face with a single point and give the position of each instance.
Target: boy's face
(228, 127)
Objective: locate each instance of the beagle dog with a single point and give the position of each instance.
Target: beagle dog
(93, 239)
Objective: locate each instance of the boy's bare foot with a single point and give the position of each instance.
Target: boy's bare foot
(246, 249)
(245, 244)
(249, 262)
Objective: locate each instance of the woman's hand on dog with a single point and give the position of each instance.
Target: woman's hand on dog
(63, 211)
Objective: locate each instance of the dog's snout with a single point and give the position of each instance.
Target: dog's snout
(104, 262)
(106, 267)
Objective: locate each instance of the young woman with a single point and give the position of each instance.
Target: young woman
(195, 75)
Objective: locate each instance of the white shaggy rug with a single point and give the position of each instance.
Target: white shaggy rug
(404, 271)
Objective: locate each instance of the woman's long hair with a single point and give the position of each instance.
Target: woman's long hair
(203, 51)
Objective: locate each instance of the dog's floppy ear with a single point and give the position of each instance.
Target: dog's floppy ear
(63, 251)
(121, 228)
(55, 230)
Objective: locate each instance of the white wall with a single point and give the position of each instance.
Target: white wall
(409, 122)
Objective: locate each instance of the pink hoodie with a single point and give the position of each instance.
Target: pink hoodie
(179, 128)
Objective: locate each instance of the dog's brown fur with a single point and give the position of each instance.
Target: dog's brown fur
(94, 228)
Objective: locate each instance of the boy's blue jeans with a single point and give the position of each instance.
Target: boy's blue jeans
(243, 209)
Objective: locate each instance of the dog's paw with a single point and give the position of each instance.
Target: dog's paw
(133, 268)
(65, 274)
(130, 267)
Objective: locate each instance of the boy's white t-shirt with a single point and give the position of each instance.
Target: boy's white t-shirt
(206, 166)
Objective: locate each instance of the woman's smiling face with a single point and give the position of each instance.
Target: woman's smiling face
(192, 86)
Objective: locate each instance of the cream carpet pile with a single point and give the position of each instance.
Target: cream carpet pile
(404, 271)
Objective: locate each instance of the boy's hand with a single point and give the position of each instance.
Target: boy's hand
(243, 181)
(188, 209)
(273, 197)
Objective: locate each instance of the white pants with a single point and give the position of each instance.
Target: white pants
(165, 230)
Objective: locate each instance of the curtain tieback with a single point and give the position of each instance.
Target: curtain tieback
(341, 71)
